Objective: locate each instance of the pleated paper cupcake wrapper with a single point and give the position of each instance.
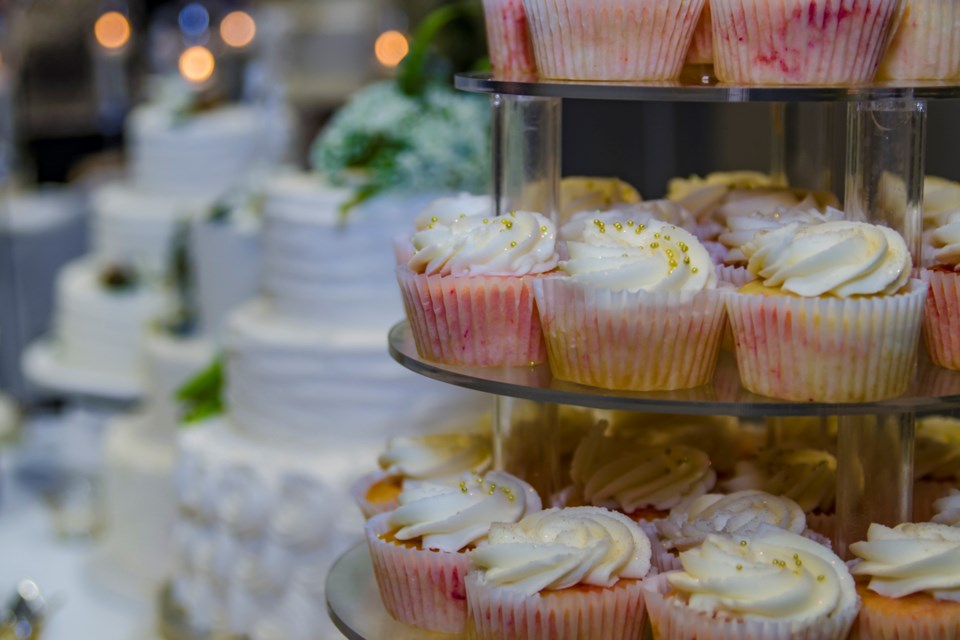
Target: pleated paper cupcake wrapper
(925, 493)
(875, 623)
(836, 42)
(736, 276)
(611, 39)
(483, 321)
(418, 587)
(804, 349)
(941, 322)
(500, 613)
(701, 45)
(633, 341)
(672, 619)
(359, 490)
(926, 45)
(508, 38)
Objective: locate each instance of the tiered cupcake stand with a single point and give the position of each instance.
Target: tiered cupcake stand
(884, 169)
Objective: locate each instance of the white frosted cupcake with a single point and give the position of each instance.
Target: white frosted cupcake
(636, 308)
(419, 550)
(772, 584)
(914, 582)
(611, 39)
(563, 574)
(826, 296)
(801, 41)
(926, 45)
(936, 463)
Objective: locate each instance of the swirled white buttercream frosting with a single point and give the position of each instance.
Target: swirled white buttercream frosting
(741, 229)
(937, 448)
(773, 574)
(838, 259)
(584, 224)
(945, 241)
(948, 509)
(911, 558)
(436, 457)
(941, 197)
(741, 512)
(448, 209)
(517, 244)
(560, 548)
(634, 256)
(453, 517)
(627, 475)
(806, 476)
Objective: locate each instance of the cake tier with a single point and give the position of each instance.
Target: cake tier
(170, 362)
(294, 381)
(99, 328)
(322, 266)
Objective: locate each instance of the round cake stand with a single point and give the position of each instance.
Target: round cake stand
(42, 367)
(355, 607)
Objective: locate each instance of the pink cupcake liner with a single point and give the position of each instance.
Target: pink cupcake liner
(359, 489)
(637, 341)
(611, 39)
(418, 587)
(500, 613)
(672, 619)
(801, 349)
(926, 46)
(701, 45)
(508, 38)
(801, 41)
(925, 493)
(941, 322)
(734, 274)
(876, 624)
(484, 321)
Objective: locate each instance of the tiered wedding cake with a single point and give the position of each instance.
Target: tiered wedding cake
(310, 387)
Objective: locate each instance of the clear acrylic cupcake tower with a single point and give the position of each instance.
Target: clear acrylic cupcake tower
(886, 137)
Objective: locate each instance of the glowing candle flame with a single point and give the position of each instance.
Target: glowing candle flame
(391, 48)
(112, 30)
(197, 64)
(238, 29)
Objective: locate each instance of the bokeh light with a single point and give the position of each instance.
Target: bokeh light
(197, 64)
(194, 19)
(238, 29)
(112, 30)
(391, 48)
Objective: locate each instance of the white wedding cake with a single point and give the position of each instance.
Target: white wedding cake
(310, 388)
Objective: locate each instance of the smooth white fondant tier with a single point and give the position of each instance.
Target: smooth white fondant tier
(170, 362)
(199, 155)
(100, 329)
(296, 381)
(133, 227)
(226, 261)
(322, 267)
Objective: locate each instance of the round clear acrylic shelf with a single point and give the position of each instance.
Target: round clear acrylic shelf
(722, 396)
(697, 87)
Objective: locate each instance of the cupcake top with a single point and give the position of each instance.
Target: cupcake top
(701, 195)
(937, 449)
(436, 457)
(948, 509)
(739, 513)
(587, 193)
(945, 240)
(806, 476)
(560, 548)
(454, 517)
(839, 259)
(940, 197)
(448, 209)
(911, 558)
(741, 229)
(518, 244)
(772, 574)
(627, 475)
(635, 256)
(582, 225)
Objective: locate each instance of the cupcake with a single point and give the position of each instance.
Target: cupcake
(444, 210)
(640, 480)
(913, 588)
(948, 509)
(741, 229)
(562, 574)
(801, 41)
(826, 296)
(468, 289)
(636, 308)
(926, 45)
(588, 193)
(740, 513)
(806, 476)
(936, 465)
(771, 584)
(508, 38)
(435, 458)
(419, 551)
(941, 322)
(611, 39)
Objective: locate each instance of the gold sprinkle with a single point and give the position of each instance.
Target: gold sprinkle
(463, 215)
(670, 253)
(434, 219)
(600, 225)
(629, 223)
(513, 244)
(543, 229)
(739, 567)
(513, 214)
(657, 236)
(743, 543)
(654, 245)
(479, 480)
(686, 259)
(463, 487)
(618, 226)
(821, 578)
(507, 223)
(506, 490)
(511, 498)
(641, 226)
(694, 270)
(798, 562)
(486, 221)
(666, 237)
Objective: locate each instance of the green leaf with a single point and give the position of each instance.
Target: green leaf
(202, 395)
(412, 78)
